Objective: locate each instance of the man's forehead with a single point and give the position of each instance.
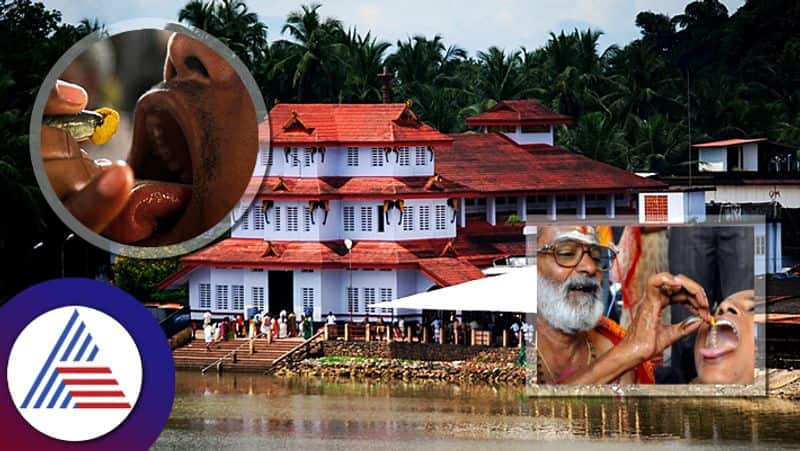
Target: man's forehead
(551, 234)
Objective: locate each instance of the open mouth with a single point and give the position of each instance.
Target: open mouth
(721, 340)
(583, 288)
(161, 159)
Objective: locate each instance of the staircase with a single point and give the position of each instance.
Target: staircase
(194, 356)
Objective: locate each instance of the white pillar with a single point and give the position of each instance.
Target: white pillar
(581, 206)
(611, 207)
(522, 208)
(552, 211)
(462, 212)
(491, 211)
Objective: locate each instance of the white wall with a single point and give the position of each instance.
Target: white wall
(301, 162)
(529, 138)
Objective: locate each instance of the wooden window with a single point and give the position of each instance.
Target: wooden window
(276, 221)
(377, 157)
(420, 156)
(221, 297)
(258, 297)
(352, 156)
(424, 217)
(440, 217)
(349, 219)
(366, 219)
(386, 296)
(307, 157)
(308, 299)
(237, 297)
(352, 300)
(403, 157)
(205, 296)
(306, 220)
(266, 156)
(291, 219)
(503, 128)
(258, 216)
(408, 219)
(369, 299)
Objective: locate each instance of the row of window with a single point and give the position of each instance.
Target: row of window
(368, 295)
(288, 218)
(228, 297)
(231, 297)
(378, 156)
(367, 213)
(499, 201)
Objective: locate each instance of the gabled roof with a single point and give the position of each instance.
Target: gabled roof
(324, 124)
(491, 163)
(518, 112)
(456, 266)
(729, 142)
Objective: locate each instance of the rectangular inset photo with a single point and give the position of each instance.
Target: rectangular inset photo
(648, 310)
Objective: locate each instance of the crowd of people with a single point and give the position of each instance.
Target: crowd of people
(282, 325)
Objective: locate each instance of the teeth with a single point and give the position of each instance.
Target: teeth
(713, 337)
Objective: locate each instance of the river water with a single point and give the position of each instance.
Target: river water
(236, 411)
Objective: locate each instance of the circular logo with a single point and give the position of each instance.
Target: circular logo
(87, 367)
(74, 373)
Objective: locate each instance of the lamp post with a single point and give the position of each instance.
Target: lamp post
(63, 244)
(348, 243)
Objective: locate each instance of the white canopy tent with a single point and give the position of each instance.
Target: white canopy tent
(514, 291)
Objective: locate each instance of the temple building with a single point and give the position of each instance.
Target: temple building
(364, 203)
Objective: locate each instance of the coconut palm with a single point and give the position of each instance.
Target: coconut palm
(231, 22)
(312, 52)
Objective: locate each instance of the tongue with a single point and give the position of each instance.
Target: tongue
(150, 202)
(712, 353)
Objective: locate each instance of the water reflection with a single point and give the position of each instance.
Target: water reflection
(260, 410)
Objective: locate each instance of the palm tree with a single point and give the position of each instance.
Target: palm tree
(313, 47)
(501, 75)
(231, 22)
(363, 57)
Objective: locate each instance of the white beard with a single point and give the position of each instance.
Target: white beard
(564, 314)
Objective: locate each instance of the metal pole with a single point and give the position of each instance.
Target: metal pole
(63, 245)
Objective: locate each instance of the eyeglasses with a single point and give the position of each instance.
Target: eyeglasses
(569, 253)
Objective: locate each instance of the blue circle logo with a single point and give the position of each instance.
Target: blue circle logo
(86, 366)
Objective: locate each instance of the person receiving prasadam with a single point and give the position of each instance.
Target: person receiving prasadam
(725, 352)
(575, 342)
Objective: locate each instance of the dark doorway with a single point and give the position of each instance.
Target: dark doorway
(281, 291)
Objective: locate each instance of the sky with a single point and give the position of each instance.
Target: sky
(470, 24)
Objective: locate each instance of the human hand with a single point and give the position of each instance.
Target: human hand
(94, 193)
(647, 336)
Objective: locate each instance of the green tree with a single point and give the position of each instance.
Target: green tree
(141, 277)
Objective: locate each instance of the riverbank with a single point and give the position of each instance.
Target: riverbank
(382, 369)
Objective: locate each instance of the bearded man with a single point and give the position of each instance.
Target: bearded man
(575, 342)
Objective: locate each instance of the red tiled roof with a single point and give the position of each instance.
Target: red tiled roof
(491, 163)
(729, 142)
(446, 271)
(477, 164)
(351, 187)
(439, 259)
(518, 112)
(331, 124)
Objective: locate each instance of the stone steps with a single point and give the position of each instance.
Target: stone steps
(195, 356)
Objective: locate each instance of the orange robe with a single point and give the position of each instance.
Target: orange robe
(615, 333)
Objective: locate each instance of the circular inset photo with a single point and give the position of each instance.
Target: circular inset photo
(148, 139)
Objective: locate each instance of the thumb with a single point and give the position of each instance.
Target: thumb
(671, 334)
(102, 200)
(66, 98)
